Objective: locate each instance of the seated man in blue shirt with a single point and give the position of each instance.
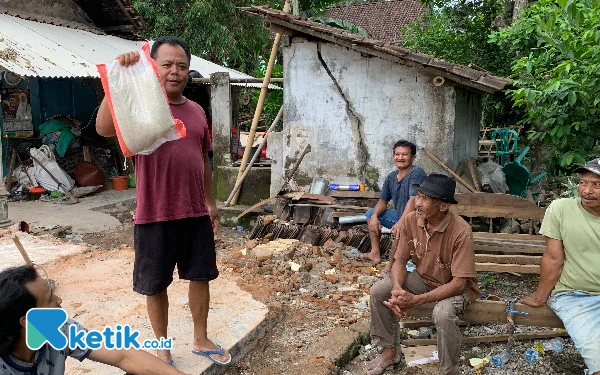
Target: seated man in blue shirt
(398, 188)
(21, 289)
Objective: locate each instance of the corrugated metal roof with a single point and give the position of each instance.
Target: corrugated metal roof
(30, 48)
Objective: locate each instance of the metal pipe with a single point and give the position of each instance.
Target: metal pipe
(353, 219)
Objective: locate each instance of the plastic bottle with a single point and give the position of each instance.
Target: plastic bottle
(354, 187)
(362, 186)
(500, 360)
(531, 355)
(555, 345)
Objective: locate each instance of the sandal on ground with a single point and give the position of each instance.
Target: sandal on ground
(208, 353)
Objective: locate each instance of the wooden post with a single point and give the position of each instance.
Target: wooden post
(11, 169)
(256, 155)
(259, 105)
(457, 177)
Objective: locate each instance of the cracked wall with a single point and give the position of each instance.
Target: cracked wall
(352, 109)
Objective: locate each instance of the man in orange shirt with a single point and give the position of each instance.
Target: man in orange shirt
(440, 244)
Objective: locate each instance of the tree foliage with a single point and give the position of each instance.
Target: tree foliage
(216, 30)
(557, 73)
(458, 32)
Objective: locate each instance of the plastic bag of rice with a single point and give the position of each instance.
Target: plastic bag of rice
(138, 104)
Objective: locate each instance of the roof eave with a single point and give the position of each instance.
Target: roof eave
(465, 76)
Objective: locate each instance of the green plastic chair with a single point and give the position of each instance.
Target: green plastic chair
(503, 139)
(518, 177)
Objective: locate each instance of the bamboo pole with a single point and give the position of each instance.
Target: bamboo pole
(254, 158)
(457, 177)
(259, 106)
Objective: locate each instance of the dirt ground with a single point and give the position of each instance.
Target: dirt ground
(330, 290)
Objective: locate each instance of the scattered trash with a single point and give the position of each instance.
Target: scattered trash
(478, 363)
(420, 355)
(294, 266)
(501, 359)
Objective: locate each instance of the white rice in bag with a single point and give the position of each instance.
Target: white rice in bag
(138, 104)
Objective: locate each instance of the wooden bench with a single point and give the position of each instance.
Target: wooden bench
(494, 312)
(520, 252)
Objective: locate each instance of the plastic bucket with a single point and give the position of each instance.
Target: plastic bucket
(120, 182)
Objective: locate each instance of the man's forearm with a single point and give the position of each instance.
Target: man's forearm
(393, 254)
(398, 275)
(379, 208)
(454, 288)
(550, 271)
(138, 362)
(134, 361)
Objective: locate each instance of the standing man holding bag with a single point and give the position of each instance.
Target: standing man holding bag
(176, 217)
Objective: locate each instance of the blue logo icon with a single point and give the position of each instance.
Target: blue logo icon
(43, 326)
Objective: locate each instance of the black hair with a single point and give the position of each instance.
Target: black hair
(15, 301)
(172, 40)
(405, 143)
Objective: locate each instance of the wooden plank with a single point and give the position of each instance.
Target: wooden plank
(474, 173)
(511, 243)
(508, 259)
(354, 194)
(412, 324)
(519, 268)
(485, 312)
(341, 206)
(507, 236)
(509, 249)
(498, 211)
(496, 205)
(493, 338)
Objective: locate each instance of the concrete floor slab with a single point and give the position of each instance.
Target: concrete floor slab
(81, 216)
(39, 250)
(97, 291)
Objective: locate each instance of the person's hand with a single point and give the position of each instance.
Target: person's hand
(128, 58)
(374, 225)
(403, 299)
(533, 301)
(396, 230)
(395, 309)
(214, 219)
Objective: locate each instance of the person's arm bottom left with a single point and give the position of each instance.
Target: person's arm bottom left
(134, 361)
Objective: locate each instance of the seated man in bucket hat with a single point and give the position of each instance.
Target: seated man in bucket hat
(569, 272)
(440, 244)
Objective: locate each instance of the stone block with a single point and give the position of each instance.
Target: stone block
(255, 188)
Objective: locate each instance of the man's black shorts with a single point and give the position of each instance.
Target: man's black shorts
(188, 242)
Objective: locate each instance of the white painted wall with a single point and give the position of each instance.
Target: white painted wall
(393, 101)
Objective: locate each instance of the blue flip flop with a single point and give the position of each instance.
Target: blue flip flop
(208, 354)
(171, 363)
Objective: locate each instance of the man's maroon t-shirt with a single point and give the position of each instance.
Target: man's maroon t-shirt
(170, 181)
